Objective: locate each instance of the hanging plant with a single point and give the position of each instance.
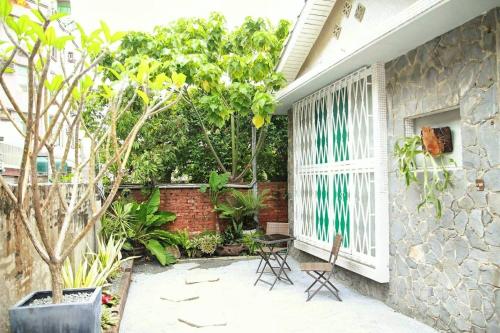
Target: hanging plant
(435, 178)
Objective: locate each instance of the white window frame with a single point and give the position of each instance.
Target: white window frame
(375, 265)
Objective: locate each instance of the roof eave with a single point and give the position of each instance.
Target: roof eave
(430, 19)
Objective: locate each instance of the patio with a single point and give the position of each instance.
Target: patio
(235, 302)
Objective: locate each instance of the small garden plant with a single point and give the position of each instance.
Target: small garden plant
(141, 226)
(435, 178)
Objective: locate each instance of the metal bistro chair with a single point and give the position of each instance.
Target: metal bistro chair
(276, 228)
(322, 271)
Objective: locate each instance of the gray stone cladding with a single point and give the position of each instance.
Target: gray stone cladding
(446, 272)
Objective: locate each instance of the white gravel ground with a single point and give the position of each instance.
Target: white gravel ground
(245, 308)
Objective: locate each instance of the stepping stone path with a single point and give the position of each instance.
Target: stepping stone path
(201, 275)
(204, 316)
(200, 316)
(180, 295)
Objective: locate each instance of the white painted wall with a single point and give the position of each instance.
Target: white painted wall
(328, 49)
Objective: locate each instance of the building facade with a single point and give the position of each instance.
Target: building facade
(11, 141)
(376, 72)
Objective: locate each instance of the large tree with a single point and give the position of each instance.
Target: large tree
(53, 112)
(230, 81)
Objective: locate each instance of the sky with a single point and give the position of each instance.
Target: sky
(144, 15)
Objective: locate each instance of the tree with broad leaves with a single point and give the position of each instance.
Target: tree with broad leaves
(230, 79)
(54, 109)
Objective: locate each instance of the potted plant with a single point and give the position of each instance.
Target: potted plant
(434, 178)
(57, 110)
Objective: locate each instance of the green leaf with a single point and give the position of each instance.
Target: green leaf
(178, 79)
(163, 256)
(108, 92)
(258, 121)
(5, 9)
(117, 36)
(60, 42)
(153, 202)
(55, 84)
(165, 217)
(57, 16)
(159, 81)
(143, 96)
(127, 246)
(115, 73)
(86, 82)
(106, 31)
(142, 71)
(38, 15)
(11, 23)
(50, 36)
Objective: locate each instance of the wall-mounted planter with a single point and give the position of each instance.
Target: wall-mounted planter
(437, 140)
(81, 317)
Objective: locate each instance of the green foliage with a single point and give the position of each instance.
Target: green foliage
(185, 244)
(226, 74)
(435, 179)
(273, 157)
(215, 187)
(95, 268)
(159, 251)
(206, 242)
(108, 318)
(241, 207)
(249, 241)
(141, 224)
(233, 233)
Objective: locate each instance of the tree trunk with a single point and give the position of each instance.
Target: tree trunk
(217, 226)
(57, 282)
(234, 154)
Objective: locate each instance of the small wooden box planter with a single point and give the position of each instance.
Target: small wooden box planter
(82, 317)
(122, 287)
(437, 140)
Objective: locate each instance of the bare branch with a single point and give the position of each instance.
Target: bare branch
(7, 189)
(205, 133)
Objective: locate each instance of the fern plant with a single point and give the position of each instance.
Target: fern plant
(435, 179)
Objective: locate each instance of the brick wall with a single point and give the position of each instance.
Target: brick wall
(277, 205)
(194, 210)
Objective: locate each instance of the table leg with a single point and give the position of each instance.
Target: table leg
(281, 268)
(266, 258)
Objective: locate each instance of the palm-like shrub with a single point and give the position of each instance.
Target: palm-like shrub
(141, 225)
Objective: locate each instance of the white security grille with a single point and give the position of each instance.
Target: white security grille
(340, 172)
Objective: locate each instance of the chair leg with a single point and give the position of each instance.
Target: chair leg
(260, 263)
(286, 264)
(316, 279)
(325, 283)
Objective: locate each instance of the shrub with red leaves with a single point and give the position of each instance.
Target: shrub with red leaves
(106, 298)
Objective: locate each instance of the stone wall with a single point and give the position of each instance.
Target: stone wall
(195, 212)
(21, 269)
(446, 272)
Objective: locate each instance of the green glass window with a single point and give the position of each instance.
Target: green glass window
(42, 165)
(64, 7)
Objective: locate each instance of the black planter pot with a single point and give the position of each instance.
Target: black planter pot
(84, 317)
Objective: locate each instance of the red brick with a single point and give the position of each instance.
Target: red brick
(195, 212)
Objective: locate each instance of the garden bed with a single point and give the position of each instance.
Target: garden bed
(119, 288)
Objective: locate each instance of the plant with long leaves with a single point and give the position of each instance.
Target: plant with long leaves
(435, 178)
(94, 269)
(216, 187)
(141, 225)
(53, 112)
